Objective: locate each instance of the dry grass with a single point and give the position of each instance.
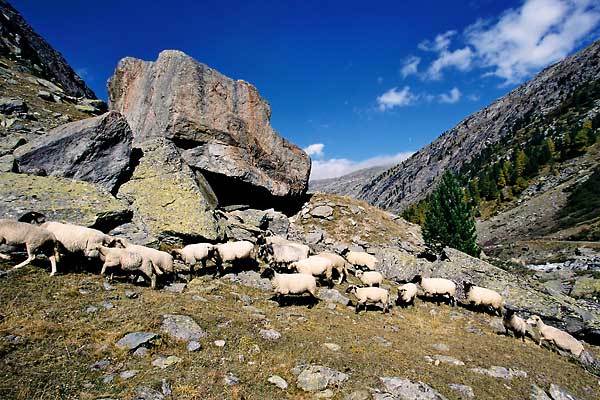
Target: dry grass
(61, 341)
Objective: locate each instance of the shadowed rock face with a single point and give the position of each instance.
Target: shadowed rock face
(95, 150)
(219, 125)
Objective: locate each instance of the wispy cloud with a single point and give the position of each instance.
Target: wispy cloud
(540, 32)
(395, 98)
(334, 167)
(451, 97)
(315, 149)
(517, 43)
(410, 66)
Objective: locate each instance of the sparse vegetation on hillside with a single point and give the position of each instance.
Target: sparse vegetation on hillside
(584, 205)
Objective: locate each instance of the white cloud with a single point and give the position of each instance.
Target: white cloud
(315, 149)
(440, 43)
(459, 59)
(334, 167)
(395, 98)
(450, 98)
(524, 40)
(410, 66)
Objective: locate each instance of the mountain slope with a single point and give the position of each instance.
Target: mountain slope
(413, 179)
(349, 184)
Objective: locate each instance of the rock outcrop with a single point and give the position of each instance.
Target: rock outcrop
(19, 41)
(170, 200)
(60, 199)
(95, 150)
(220, 126)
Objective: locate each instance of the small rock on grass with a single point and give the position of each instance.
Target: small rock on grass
(332, 346)
(270, 334)
(128, 374)
(165, 362)
(131, 294)
(278, 381)
(465, 392)
(194, 346)
(133, 340)
(219, 343)
(230, 379)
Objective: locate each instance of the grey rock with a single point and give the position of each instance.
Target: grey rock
(133, 340)
(437, 359)
(131, 294)
(440, 347)
(251, 279)
(465, 392)
(165, 362)
(278, 381)
(140, 352)
(314, 378)
(270, 334)
(91, 309)
(322, 212)
(325, 394)
(146, 393)
(108, 378)
(313, 237)
(231, 380)
(176, 287)
(95, 150)
(7, 163)
(538, 393)
(12, 106)
(332, 346)
(45, 95)
(193, 346)
(182, 327)
(166, 387)
(223, 123)
(219, 343)
(558, 393)
(128, 374)
(100, 365)
(332, 296)
(404, 389)
(107, 286)
(497, 326)
(382, 341)
(107, 305)
(500, 372)
(358, 395)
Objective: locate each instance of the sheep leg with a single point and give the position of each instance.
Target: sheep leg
(153, 281)
(30, 258)
(52, 259)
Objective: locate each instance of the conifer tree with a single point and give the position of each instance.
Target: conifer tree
(449, 219)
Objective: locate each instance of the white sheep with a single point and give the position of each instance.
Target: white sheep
(361, 259)
(369, 278)
(291, 284)
(194, 253)
(437, 287)
(36, 240)
(78, 239)
(232, 252)
(515, 324)
(161, 261)
(406, 294)
(482, 297)
(560, 339)
(283, 254)
(127, 261)
(317, 266)
(370, 295)
(339, 264)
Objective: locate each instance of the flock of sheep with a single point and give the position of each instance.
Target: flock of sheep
(292, 270)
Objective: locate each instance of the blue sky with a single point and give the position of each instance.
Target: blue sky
(363, 83)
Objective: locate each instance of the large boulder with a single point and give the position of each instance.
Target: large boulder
(168, 198)
(60, 199)
(221, 126)
(96, 150)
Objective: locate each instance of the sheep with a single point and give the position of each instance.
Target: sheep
(127, 261)
(482, 297)
(232, 252)
(370, 278)
(192, 253)
(291, 284)
(79, 239)
(339, 264)
(373, 295)
(406, 294)
(280, 254)
(437, 287)
(36, 240)
(361, 259)
(317, 266)
(561, 339)
(515, 324)
(162, 261)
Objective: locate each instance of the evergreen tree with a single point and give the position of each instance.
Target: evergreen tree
(519, 164)
(548, 151)
(449, 220)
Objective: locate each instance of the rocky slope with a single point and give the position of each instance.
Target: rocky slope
(349, 184)
(413, 179)
(19, 42)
